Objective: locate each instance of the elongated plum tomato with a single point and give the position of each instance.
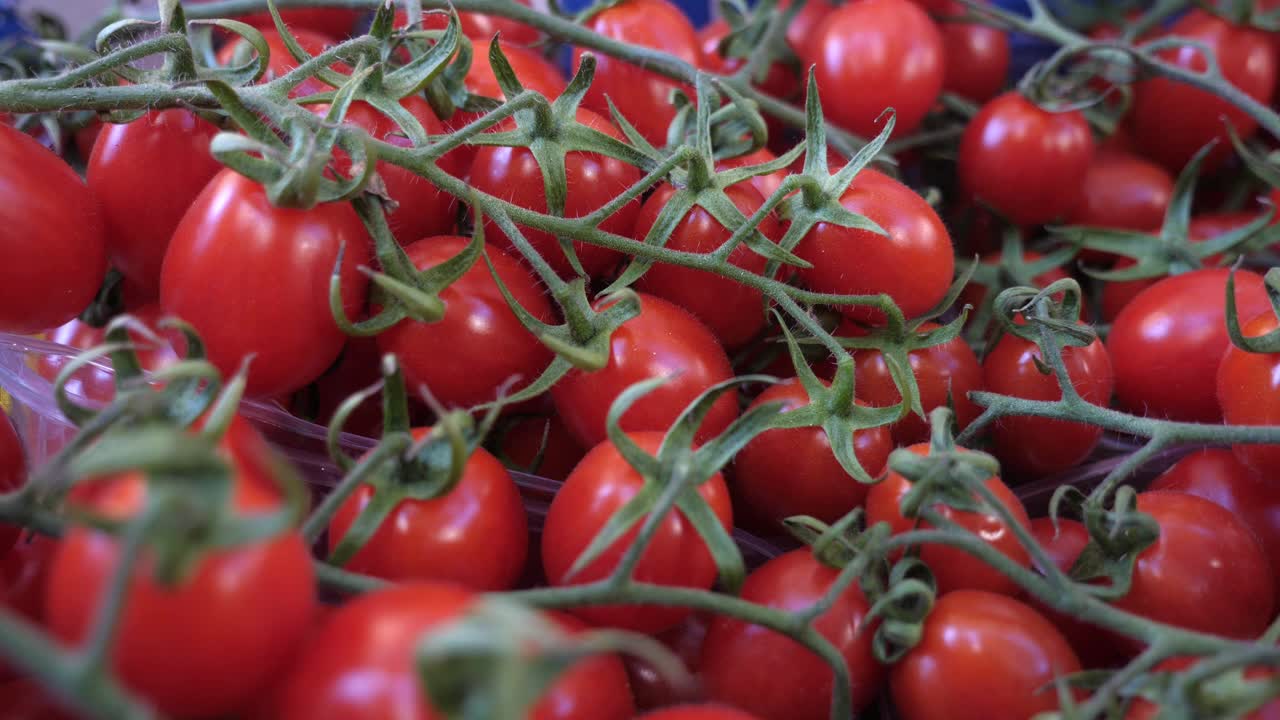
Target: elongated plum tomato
(487, 344)
(773, 676)
(281, 61)
(208, 646)
(254, 279)
(731, 310)
(142, 203)
(513, 174)
(1249, 392)
(1006, 148)
(51, 235)
(662, 341)
(792, 471)
(362, 664)
(952, 568)
(981, 656)
(678, 556)
(891, 50)
(476, 534)
(1173, 120)
(913, 264)
(642, 96)
(1166, 344)
(1034, 446)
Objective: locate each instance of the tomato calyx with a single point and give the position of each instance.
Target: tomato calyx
(1014, 267)
(1223, 686)
(1117, 536)
(949, 474)
(1262, 344)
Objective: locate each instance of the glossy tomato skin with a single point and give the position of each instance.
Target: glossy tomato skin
(1125, 192)
(1094, 646)
(520, 441)
(1006, 148)
(977, 60)
(661, 341)
(594, 180)
(1034, 446)
(47, 207)
(141, 204)
(601, 484)
(487, 343)
(952, 568)
(1165, 345)
(1249, 391)
(475, 535)
(642, 96)
(913, 264)
(281, 61)
(1172, 120)
(731, 310)
(1144, 709)
(890, 49)
(767, 184)
(335, 22)
(698, 712)
(478, 26)
(981, 656)
(254, 278)
(774, 677)
(95, 383)
(792, 471)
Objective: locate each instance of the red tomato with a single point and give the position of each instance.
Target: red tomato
(52, 231)
(1007, 147)
(514, 175)
(642, 96)
(86, 137)
(358, 367)
(98, 383)
(766, 185)
(601, 484)
(734, 312)
(487, 344)
(13, 474)
(475, 535)
(28, 700)
(336, 22)
(254, 279)
(1125, 192)
(977, 60)
(478, 26)
(652, 690)
(982, 656)
(663, 340)
(1166, 344)
(521, 441)
(1172, 120)
(24, 570)
(792, 471)
(913, 264)
(1247, 392)
(1143, 709)
(698, 712)
(952, 568)
(1094, 646)
(779, 82)
(771, 675)
(281, 62)
(890, 50)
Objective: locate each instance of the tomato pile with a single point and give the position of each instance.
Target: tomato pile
(801, 366)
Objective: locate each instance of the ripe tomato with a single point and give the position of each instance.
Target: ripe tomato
(734, 312)
(358, 367)
(1035, 446)
(1006, 148)
(487, 344)
(1247, 386)
(952, 568)
(475, 535)
(1206, 572)
(519, 444)
(663, 340)
(601, 484)
(97, 383)
(254, 279)
(642, 96)
(766, 185)
(1172, 120)
(478, 26)
(52, 235)
(792, 471)
(1125, 192)
(1143, 709)
(24, 571)
(140, 206)
(771, 675)
(652, 690)
(1093, 645)
(977, 60)
(913, 264)
(981, 656)
(335, 22)
(281, 62)
(1165, 345)
(28, 700)
(13, 473)
(514, 175)
(698, 712)
(890, 50)
(779, 82)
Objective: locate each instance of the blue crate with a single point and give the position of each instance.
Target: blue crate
(10, 25)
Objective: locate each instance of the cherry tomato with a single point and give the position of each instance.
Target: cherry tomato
(601, 484)
(792, 471)
(478, 26)
(522, 439)
(913, 264)
(1173, 120)
(1006, 148)
(335, 22)
(514, 175)
(1125, 192)
(773, 676)
(731, 310)
(977, 60)
(281, 61)
(1165, 345)
(663, 340)
(1247, 389)
(766, 185)
(891, 50)
(1144, 709)
(487, 344)
(52, 235)
(698, 712)
(981, 656)
(1094, 646)
(652, 690)
(952, 568)
(254, 279)
(13, 474)
(780, 81)
(476, 534)
(98, 383)
(642, 96)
